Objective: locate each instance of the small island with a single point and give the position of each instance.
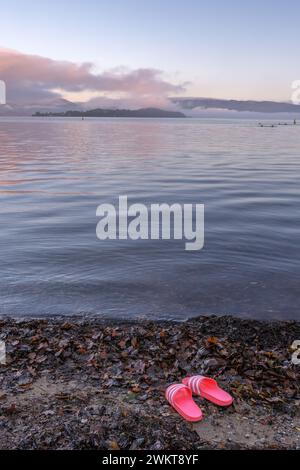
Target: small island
(111, 113)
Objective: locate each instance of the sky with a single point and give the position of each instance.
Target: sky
(229, 49)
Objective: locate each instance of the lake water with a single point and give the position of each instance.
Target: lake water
(55, 172)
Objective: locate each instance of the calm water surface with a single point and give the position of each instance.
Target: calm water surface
(54, 174)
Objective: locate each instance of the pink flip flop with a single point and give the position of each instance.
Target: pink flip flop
(209, 389)
(180, 397)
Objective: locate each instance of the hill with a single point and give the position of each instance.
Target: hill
(101, 112)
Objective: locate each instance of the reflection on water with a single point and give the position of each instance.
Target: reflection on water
(54, 174)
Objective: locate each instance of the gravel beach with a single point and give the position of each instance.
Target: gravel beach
(79, 383)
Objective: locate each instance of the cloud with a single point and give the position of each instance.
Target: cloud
(33, 79)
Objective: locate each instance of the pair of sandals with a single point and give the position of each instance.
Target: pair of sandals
(180, 396)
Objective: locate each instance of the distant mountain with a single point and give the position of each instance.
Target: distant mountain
(100, 112)
(235, 105)
(192, 107)
(28, 109)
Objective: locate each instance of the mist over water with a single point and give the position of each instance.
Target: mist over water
(55, 172)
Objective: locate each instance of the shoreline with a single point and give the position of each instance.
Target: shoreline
(108, 319)
(94, 383)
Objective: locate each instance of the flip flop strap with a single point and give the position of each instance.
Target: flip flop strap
(172, 390)
(194, 383)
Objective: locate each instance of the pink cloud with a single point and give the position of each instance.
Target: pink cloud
(34, 79)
